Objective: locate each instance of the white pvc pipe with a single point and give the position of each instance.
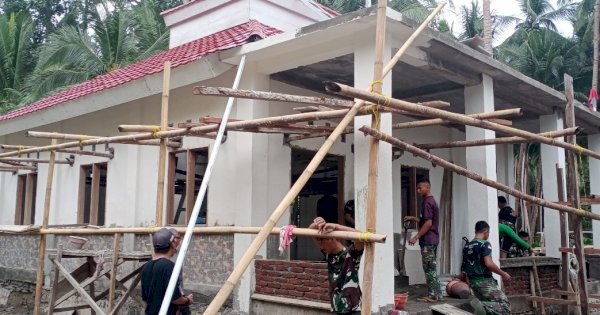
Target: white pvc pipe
(211, 161)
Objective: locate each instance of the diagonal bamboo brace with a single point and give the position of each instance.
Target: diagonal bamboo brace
(458, 118)
(474, 176)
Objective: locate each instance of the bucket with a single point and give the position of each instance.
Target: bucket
(443, 287)
(400, 300)
(459, 289)
(77, 242)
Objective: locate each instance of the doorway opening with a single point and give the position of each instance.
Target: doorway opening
(326, 184)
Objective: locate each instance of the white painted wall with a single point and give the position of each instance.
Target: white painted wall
(594, 145)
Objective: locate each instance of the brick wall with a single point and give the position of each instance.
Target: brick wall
(520, 284)
(294, 279)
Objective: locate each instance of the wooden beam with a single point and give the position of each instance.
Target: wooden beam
(95, 194)
(17, 168)
(31, 160)
(564, 237)
(79, 289)
(127, 294)
(66, 136)
(588, 251)
(162, 155)
(52, 298)
(79, 152)
(113, 271)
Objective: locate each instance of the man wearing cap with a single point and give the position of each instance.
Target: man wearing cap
(156, 275)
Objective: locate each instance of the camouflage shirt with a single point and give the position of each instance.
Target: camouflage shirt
(473, 264)
(344, 289)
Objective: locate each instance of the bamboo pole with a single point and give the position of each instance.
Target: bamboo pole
(573, 196)
(289, 98)
(564, 237)
(474, 176)
(142, 128)
(503, 140)
(42, 247)
(377, 238)
(315, 135)
(459, 118)
(67, 136)
(31, 160)
(162, 155)
(441, 122)
(79, 152)
(239, 269)
(373, 165)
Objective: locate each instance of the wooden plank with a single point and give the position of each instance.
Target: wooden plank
(113, 271)
(590, 251)
(95, 196)
(21, 180)
(569, 293)
(82, 253)
(449, 309)
(190, 184)
(127, 294)
(79, 289)
(171, 187)
(79, 274)
(52, 298)
(87, 281)
(29, 198)
(81, 194)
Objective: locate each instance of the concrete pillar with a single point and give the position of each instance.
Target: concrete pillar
(460, 227)
(506, 169)
(550, 156)
(594, 145)
(250, 184)
(482, 203)
(383, 281)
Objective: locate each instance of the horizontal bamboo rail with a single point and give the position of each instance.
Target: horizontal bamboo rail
(474, 176)
(504, 140)
(459, 118)
(142, 128)
(69, 151)
(289, 98)
(66, 136)
(32, 160)
(367, 237)
(269, 121)
(17, 168)
(441, 122)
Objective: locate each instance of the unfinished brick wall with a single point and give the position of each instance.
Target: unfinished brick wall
(293, 279)
(520, 284)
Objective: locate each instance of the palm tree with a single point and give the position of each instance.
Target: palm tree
(115, 38)
(472, 19)
(16, 32)
(541, 14)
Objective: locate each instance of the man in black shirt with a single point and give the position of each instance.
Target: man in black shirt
(507, 216)
(156, 275)
(327, 208)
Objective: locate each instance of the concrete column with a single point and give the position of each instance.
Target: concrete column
(550, 156)
(383, 281)
(249, 169)
(505, 169)
(482, 203)
(460, 227)
(594, 145)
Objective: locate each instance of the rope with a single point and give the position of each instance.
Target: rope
(581, 149)
(375, 108)
(155, 132)
(364, 236)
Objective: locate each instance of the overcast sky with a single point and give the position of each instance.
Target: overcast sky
(501, 7)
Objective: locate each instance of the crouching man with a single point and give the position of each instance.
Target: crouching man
(342, 265)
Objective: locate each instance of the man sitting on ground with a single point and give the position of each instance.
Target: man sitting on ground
(156, 275)
(477, 267)
(342, 265)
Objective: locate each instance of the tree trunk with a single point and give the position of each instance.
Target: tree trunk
(487, 27)
(596, 38)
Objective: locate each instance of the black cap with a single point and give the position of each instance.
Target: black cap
(162, 238)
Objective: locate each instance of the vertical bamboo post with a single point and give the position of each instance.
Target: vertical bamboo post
(564, 237)
(39, 280)
(246, 259)
(573, 196)
(52, 298)
(113, 271)
(374, 160)
(162, 155)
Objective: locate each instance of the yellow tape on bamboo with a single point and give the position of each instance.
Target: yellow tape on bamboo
(155, 132)
(580, 148)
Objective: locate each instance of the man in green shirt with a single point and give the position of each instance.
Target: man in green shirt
(477, 267)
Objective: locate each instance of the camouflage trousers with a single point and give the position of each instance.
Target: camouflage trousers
(429, 257)
(491, 297)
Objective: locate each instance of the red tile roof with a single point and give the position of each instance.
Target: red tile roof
(180, 55)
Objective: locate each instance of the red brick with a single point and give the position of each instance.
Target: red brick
(295, 281)
(265, 290)
(281, 292)
(282, 268)
(304, 276)
(296, 293)
(261, 284)
(311, 296)
(297, 269)
(303, 289)
(288, 286)
(274, 285)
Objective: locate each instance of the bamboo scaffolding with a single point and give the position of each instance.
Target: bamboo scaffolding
(78, 152)
(162, 155)
(476, 177)
(573, 195)
(564, 238)
(17, 168)
(459, 118)
(66, 136)
(441, 122)
(42, 246)
(153, 128)
(32, 160)
(246, 259)
(315, 135)
(373, 165)
(377, 238)
(289, 98)
(503, 140)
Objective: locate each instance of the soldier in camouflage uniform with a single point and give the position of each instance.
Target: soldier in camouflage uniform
(342, 265)
(428, 237)
(477, 267)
